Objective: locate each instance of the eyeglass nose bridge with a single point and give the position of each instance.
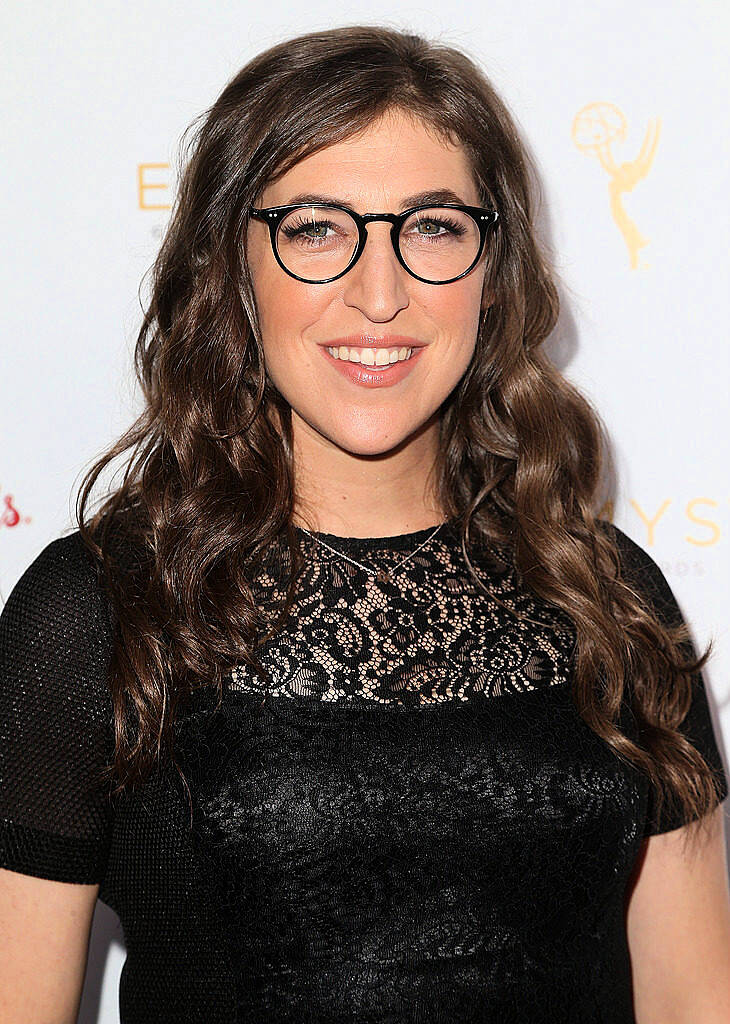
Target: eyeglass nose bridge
(394, 219)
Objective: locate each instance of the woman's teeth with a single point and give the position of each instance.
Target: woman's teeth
(371, 356)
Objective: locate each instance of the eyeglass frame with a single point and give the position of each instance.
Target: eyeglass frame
(484, 217)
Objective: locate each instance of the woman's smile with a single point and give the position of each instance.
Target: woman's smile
(372, 376)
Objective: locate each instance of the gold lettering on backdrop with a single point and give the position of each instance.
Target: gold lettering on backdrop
(708, 523)
(144, 186)
(595, 129)
(650, 523)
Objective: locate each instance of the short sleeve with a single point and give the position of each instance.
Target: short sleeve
(642, 572)
(55, 718)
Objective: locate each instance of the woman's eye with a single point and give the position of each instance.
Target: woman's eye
(299, 229)
(449, 225)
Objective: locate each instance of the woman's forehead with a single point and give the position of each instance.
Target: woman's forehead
(386, 165)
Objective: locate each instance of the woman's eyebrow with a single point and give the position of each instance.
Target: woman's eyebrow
(434, 196)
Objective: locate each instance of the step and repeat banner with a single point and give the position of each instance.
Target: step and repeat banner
(624, 110)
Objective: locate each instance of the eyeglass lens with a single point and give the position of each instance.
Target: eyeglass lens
(317, 243)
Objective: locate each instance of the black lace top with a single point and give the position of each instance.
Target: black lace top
(412, 825)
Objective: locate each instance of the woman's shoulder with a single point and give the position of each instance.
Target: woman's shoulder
(56, 625)
(641, 571)
(65, 580)
(61, 584)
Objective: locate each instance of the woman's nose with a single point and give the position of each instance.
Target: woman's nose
(377, 281)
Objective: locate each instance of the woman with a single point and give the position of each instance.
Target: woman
(346, 700)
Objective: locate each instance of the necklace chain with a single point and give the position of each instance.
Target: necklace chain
(383, 575)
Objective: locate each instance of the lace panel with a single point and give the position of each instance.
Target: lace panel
(429, 636)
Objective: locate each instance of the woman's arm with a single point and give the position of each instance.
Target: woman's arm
(678, 929)
(44, 941)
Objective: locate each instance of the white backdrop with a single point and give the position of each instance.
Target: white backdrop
(615, 99)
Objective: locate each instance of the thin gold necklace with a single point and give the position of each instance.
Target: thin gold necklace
(382, 575)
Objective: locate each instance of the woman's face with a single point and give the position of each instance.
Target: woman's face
(372, 172)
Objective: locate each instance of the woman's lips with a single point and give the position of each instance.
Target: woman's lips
(376, 376)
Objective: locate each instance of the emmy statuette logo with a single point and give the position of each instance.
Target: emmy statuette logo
(595, 130)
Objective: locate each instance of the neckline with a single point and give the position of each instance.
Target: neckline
(394, 542)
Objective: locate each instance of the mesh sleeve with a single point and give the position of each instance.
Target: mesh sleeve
(641, 571)
(55, 718)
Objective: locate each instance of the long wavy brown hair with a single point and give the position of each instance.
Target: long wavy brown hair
(209, 483)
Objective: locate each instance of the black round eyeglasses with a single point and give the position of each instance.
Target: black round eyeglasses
(319, 242)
